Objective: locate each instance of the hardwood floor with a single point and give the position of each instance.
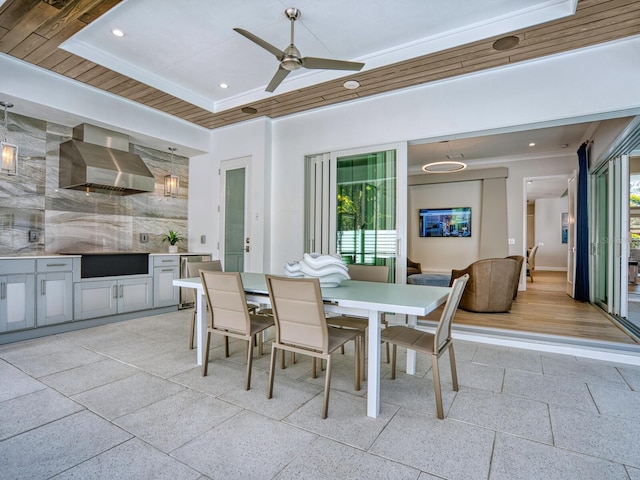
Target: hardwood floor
(545, 308)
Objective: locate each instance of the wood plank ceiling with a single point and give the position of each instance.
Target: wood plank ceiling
(32, 30)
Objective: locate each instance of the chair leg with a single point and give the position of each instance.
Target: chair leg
(327, 385)
(454, 372)
(226, 346)
(193, 328)
(363, 349)
(247, 384)
(205, 365)
(272, 368)
(394, 351)
(436, 385)
(259, 337)
(292, 357)
(314, 374)
(387, 348)
(357, 372)
(342, 349)
(282, 365)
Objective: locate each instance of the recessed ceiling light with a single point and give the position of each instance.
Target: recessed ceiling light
(117, 32)
(351, 84)
(532, 144)
(506, 43)
(444, 167)
(224, 85)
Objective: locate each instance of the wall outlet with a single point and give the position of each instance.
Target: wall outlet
(203, 239)
(34, 236)
(512, 241)
(144, 237)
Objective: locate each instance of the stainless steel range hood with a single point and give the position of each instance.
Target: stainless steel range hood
(98, 160)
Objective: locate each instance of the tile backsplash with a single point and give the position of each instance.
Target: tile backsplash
(71, 220)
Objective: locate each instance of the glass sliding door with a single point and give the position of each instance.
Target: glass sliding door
(366, 209)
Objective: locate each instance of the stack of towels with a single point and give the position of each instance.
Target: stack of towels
(329, 269)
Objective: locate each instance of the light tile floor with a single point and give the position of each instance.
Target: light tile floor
(126, 401)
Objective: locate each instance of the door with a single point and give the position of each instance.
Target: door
(54, 298)
(571, 235)
(235, 240)
(16, 302)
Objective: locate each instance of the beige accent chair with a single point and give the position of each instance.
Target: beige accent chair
(434, 345)
(301, 327)
(230, 317)
(193, 270)
(491, 285)
(531, 262)
(364, 273)
(520, 260)
(413, 267)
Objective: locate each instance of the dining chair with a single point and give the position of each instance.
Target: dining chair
(230, 317)
(364, 273)
(301, 327)
(531, 262)
(432, 344)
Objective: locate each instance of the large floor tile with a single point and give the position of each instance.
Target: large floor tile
(611, 438)
(634, 473)
(15, 382)
(245, 446)
(512, 358)
(175, 420)
(86, 377)
(288, 395)
(617, 402)
(414, 392)
(221, 377)
(46, 364)
(167, 363)
(347, 420)
(503, 413)
(569, 367)
(520, 459)
(58, 446)
(132, 459)
(129, 352)
(326, 459)
(127, 395)
(632, 376)
(36, 347)
(444, 448)
(550, 389)
(33, 410)
(474, 375)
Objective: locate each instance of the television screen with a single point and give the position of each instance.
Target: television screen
(445, 222)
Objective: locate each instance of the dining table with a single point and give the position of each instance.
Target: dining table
(351, 297)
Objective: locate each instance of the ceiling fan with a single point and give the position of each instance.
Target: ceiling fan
(290, 59)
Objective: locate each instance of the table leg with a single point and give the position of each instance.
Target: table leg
(201, 325)
(412, 321)
(373, 378)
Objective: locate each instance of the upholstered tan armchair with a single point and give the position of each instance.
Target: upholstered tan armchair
(520, 260)
(491, 285)
(413, 267)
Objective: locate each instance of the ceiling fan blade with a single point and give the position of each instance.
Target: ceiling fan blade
(266, 45)
(277, 79)
(329, 64)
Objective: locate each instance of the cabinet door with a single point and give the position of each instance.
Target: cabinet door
(54, 293)
(95, 299)
(134, 294)
(164, 293)
(17, 294)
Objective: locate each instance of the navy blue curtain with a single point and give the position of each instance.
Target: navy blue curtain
(582, 228)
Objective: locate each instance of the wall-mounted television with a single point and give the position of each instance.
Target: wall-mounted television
(445, 222)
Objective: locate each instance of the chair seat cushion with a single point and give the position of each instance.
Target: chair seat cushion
(354, 323)
(340, 336)
(260, 323)
(408, 337)
(431, 279)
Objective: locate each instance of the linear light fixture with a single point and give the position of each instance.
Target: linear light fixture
(9, 165)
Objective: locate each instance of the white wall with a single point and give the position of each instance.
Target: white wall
(552, 253)
(444, 254)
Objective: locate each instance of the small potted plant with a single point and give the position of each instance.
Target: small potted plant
(173, 238)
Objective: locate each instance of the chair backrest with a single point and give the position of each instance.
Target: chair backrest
(226, 301)
(531, 261)
(298, 312)
(193, 268)
(369, 273)
(443, 332)
(520, 260)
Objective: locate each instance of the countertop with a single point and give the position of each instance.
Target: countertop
(59, 255)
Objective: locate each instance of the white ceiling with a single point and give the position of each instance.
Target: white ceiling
(188, 48)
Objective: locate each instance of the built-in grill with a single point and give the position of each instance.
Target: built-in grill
(112, 264)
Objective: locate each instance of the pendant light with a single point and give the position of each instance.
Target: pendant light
(9, 164)
(171, 182)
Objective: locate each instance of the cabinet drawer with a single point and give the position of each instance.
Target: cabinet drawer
(17, 266)
(166, 260)
(54, 265)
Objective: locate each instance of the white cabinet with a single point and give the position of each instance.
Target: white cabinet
(99, 298)
(166, 268)
(54, 291)
(17, 292)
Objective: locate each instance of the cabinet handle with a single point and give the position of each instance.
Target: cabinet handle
(43, 288)
(165, 261)
(121, 291)
(56, 264)
(167, 269)
(115, 291)
(3, 290)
